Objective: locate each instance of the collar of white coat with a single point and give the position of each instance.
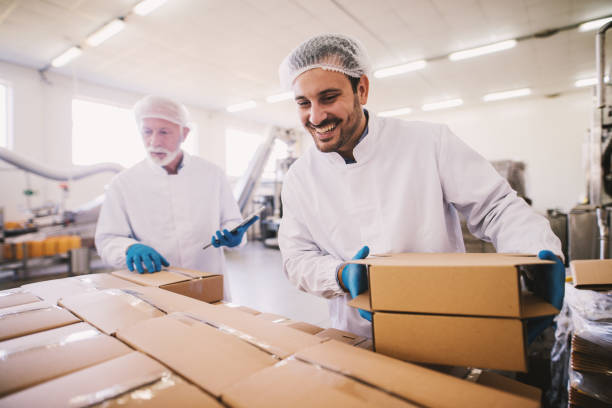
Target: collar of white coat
(157, 169)
(364, 150)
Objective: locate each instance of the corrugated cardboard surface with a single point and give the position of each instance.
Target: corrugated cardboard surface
(594, 272)
(32, 359)
(285, 321)
(15, 297)
(31, 318)
(203, 286)
(54, 290)
(456, 283)
(422, 386)
(208, 357)
(496, 343)
(238, 307)
(130, 380)
(340, 335)
(283, 339)
(111, 309)
(494, 380)
(293, 383)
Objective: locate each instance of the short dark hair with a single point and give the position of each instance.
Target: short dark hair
(354, 82)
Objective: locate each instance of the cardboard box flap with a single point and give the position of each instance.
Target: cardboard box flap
(296, 384)
(414, 383)
(130, 379)
(592, 272)
(283, 339)
(164, 277)
(15, 297)
(56, 289)
(534, 306)
(477, 260)
(31, 318)
(361, 301)
(199, 352)
(31, 359)
(111, 309)
(341, 335)
(494, 380)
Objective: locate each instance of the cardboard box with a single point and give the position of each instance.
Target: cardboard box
(129, 380)
(336, 374)
(30, 318)
(340, 335)
(35, 358)
(203, 286)
(499, 382)
(592, 274)
(112, 309)
(54, 290)
(452, 309)
(16, 297)
(210, 358)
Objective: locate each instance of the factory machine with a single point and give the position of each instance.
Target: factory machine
(584, 230)
(51, 236)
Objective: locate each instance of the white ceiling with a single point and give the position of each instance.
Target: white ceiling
(213, 53)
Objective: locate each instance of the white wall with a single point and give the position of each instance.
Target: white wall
(42, 128)
(545, 133)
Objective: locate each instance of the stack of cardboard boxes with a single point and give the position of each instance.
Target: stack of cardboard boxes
(139, 343)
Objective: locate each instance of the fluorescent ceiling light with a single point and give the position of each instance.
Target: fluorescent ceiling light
(66, 57)
(594, 24)
(279, 97)
(442, 105)
(395, 112)
(145, 7)
(588, 82)
(105, 32)
(241, 106)
(487, 49)
(496, 96)
(400, 69)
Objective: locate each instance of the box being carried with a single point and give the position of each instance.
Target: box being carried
(203, 286)
(452, 308)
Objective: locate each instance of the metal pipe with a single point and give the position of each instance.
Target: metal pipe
(600, 62)
(602, 226)
(75, 173)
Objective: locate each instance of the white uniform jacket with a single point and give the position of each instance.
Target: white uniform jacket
(402, 195)
(174, 214)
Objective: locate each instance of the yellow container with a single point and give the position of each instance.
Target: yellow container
(63, 244)
(7, 251)
(50, 246)
(35, 249)
(19, 250)
(74, 242)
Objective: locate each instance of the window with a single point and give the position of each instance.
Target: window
(240, 148)
(4, 116)
(108, 133)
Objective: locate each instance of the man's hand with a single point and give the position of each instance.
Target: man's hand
(138, 254)
(355, 279)
(231, 239)
(550, 285)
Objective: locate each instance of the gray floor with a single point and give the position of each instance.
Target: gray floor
(256, 280)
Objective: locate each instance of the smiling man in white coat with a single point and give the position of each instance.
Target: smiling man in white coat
(162, 210)
(383, 184)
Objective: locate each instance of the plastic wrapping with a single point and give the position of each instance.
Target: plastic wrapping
(30, 307)
(137, 299)
(586, 322)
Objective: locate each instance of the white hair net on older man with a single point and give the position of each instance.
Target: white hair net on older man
(161, 108)
(333, 52)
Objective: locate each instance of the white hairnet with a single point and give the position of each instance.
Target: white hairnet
(162, 108)
(334, 52)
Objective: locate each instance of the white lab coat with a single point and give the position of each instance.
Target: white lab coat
(402, 195)
(174, 214)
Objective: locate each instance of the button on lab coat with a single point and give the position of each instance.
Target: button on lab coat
(403, 194)
(174, 214)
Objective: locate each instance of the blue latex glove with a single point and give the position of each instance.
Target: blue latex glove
(355, 279)
(550, 285)
(230, 239)
(138, 254)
